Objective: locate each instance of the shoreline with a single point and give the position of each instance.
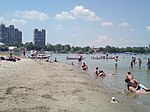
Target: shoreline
(32, 86)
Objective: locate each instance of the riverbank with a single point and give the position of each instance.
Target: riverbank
(37, 86)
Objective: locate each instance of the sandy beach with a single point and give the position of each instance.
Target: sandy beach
(37, 86)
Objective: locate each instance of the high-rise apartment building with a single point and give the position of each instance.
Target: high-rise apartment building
(10, 35)
(39, 37)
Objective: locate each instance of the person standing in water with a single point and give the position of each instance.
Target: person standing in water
(80, 61)
(116, 61)
(148, 64)
(140, 62)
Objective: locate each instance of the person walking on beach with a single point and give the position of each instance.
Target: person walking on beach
(24, 53)
(10, 53)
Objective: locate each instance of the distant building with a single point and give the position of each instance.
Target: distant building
(10, 35)
(39, 37)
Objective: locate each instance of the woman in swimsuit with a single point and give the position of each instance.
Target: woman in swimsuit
(135, 86)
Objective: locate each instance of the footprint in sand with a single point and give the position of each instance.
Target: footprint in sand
(9, 90)
(46, 96)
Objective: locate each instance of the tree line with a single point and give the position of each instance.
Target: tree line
(58, 48)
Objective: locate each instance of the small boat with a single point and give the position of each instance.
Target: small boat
(102, 57)
(96, 58)
(41, 56)
(108, 58)
(33, 54)
(38, 55)
(73, 58)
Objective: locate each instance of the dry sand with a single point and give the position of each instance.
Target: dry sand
(29, 86)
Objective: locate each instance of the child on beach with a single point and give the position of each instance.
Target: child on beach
(84, 67)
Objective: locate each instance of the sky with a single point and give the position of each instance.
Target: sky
(98, 23)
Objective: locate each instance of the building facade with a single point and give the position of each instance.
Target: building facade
(10, 35)
(39, 37)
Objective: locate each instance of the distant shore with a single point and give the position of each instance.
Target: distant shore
(37, 86)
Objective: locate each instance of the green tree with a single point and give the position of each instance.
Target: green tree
(108, 49)
(50, 47)
(29, 46)
(128, 49)
(67, 48)
(86, 49)
(58, 47)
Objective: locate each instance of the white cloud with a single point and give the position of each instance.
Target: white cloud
(107, 24)
(148, 28)
(2, 18)
(32, 14)
(64, 16)
(18, 22)
(104, 40)
(59, 27)
(125, 24)
(86, 14)
(78, 12)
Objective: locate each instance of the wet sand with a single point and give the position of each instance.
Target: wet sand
(37, 86)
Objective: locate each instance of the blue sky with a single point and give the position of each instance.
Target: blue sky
(118, 23)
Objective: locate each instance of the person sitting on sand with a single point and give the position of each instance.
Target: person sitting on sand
(72, 63)
(84, 67)
(55, 60)
(96, 72)
(135, 86)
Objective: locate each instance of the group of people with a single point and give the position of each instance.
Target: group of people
(133, 62)
(100, 73)
(133, 85)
